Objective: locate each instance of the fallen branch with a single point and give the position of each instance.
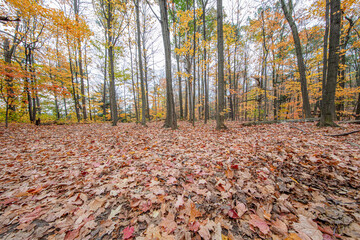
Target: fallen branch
(342, 134)
(353, 144)
(351, 121)
(298, 129)
(281, 121)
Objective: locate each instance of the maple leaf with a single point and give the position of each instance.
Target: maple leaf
(192, 211)
(168, 223)
(128, 232)
(256, 221)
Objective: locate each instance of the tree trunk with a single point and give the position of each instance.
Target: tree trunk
(221, 82)
(179, 76)
(104, 88)
(170, 121)
(206, 85)
(194, 70)
(327, 113)
(143, 95)
(110, 45)
(325, 49)
(133, 84)
(344, 43)
(299, 55)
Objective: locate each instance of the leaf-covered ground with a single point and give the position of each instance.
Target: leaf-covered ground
(94, 181)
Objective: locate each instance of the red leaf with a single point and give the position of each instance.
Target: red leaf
(235, 167)
(128, 232)
(232, 213)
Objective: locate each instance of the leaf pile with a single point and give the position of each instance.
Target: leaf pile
(95, 181)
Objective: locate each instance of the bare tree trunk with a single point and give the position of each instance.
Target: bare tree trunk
(143, 96)
(206, 85)
(88, 83)
(105, 80)
(81, 71)
(170, 121)
(146, 71)
(327, 113)
(133, 83)
(179, 76)
(110, 45)
(300, 59)
(325, 49)
(266, 52)
(221, 82)
(194, 72)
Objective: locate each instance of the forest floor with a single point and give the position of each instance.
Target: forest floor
(94, 181)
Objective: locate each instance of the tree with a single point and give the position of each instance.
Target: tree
(327, 113)
(170, 121)
(287, 9)
(80, 60)
(221, 82)
(142, 85)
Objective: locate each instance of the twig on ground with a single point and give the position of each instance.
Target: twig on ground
(342, 134)
(299, 129)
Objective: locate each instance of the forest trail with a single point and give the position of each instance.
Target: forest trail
(94, 181)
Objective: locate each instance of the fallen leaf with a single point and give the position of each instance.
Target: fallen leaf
(232, 213)
(114, 212)
(194, 226)
(128, 232)
(292, 236)
(280, 227)
(240, 208)
(179, 202)
(193, 212)
(308, 227)
(32, 216)
(96, 204)
(256, 221)
(229, 173)
(168, 223)
(204, 232)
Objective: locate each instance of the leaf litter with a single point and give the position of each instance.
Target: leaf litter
(94, 181)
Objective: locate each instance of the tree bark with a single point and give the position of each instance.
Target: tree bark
(143, 96)
(327, 113)
(179, 76)
(299, 55)
(221, 82)
(170, 121)
(194, 71)
(206, 82)
(110, 45)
